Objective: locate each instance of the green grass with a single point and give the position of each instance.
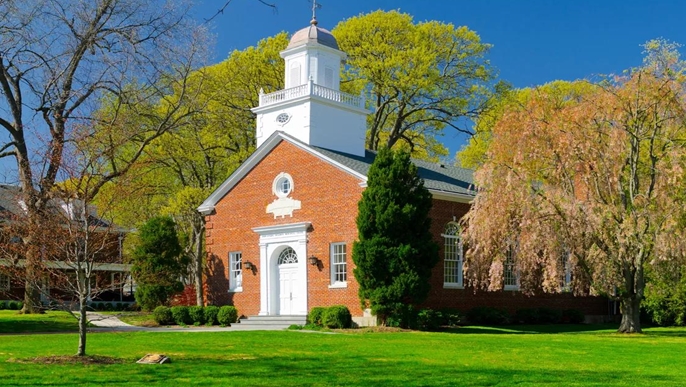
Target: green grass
(471, 356)
(51, 321)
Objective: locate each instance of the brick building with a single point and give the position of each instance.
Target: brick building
(280, 229)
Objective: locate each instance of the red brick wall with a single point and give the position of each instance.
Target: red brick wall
(329, 199)
(443, 212)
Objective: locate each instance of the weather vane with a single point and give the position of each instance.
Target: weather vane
(315, 7)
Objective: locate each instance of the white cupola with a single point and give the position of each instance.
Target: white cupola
(312, 108)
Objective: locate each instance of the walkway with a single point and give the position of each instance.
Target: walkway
(109, 323)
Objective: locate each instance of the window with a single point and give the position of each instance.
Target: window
(510, 274)
(282, 185)
(452, 272)
(4, 282)
(235, 271)
(339, 267)
(288, 256)
(283, 118)
(566, 270)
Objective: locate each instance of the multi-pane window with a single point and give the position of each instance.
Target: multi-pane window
(235, 271)
(452, 272)
(339, 274)
(4, 282)
(510, 274)
(566, 270)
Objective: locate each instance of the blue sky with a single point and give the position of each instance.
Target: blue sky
(535, 41)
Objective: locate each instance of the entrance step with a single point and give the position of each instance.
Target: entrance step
(272, 322)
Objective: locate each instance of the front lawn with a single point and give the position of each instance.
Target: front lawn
(51, 321)
(471, 356)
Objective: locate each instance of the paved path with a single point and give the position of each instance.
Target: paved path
(109, 322)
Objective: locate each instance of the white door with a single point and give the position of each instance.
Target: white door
(288, 296)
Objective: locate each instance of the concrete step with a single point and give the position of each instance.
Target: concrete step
(273, 321)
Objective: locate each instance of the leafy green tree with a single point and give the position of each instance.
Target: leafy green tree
(422, 78)
(157, 263)
(395, 251)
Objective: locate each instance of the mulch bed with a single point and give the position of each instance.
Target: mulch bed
(70, 359)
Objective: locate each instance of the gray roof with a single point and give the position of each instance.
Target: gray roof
(437, 177)
(313, 34)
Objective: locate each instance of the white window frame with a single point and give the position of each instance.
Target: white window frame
(510, 266)
(336, 250)
(5, 282)
(235, 271)
(453, 254)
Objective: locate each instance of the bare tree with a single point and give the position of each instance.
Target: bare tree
(59, 62)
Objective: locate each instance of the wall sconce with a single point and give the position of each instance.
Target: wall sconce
(248, 265)
(313, 260)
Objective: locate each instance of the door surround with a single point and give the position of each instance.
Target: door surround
(273, 240)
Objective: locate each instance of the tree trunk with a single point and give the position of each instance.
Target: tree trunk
(631, 313)
(32, 300)
(83, 325)
(199, 233)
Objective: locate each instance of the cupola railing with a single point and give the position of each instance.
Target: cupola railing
(311, 89)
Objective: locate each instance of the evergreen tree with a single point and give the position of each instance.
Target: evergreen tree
(395, 253)
(157, 263)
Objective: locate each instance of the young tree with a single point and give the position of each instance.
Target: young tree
(58, 63)
(395, 252)
(422, 78)
(157, 263)
(596, 184)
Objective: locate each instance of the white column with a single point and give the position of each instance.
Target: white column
(264, 280)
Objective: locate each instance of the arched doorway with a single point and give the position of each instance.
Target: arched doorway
(288, 276)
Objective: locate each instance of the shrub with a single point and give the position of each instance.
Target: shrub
(573, 316)
(404, 316)
(429, 319)
(451, 317)
(315, 316)
(196, 314)
(484, 315)
(2, 305)
(151, 296)
(109, 306)
(163, 315)
(227, 315)
(549, 316)
(13, 305)
(211, 313)
(527, 316)
(337, 316)
(180, 315)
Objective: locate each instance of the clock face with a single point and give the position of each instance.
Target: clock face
(283, 118)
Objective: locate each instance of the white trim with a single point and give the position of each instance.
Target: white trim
(450, 285)
(123, 267)
(273, 240)
(233, 281)
(279, 230)
(332, 266)
(451, 196)
(207, 207)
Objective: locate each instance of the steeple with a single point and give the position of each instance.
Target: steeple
(311, 107)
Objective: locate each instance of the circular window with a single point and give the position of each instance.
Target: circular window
(283, 118)
(283, 185)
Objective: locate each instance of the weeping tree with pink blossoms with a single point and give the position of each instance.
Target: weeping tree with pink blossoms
(593, 184)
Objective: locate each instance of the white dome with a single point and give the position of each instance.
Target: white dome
(313, 34)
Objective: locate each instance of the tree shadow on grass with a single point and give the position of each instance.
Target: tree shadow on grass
(533, 329)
